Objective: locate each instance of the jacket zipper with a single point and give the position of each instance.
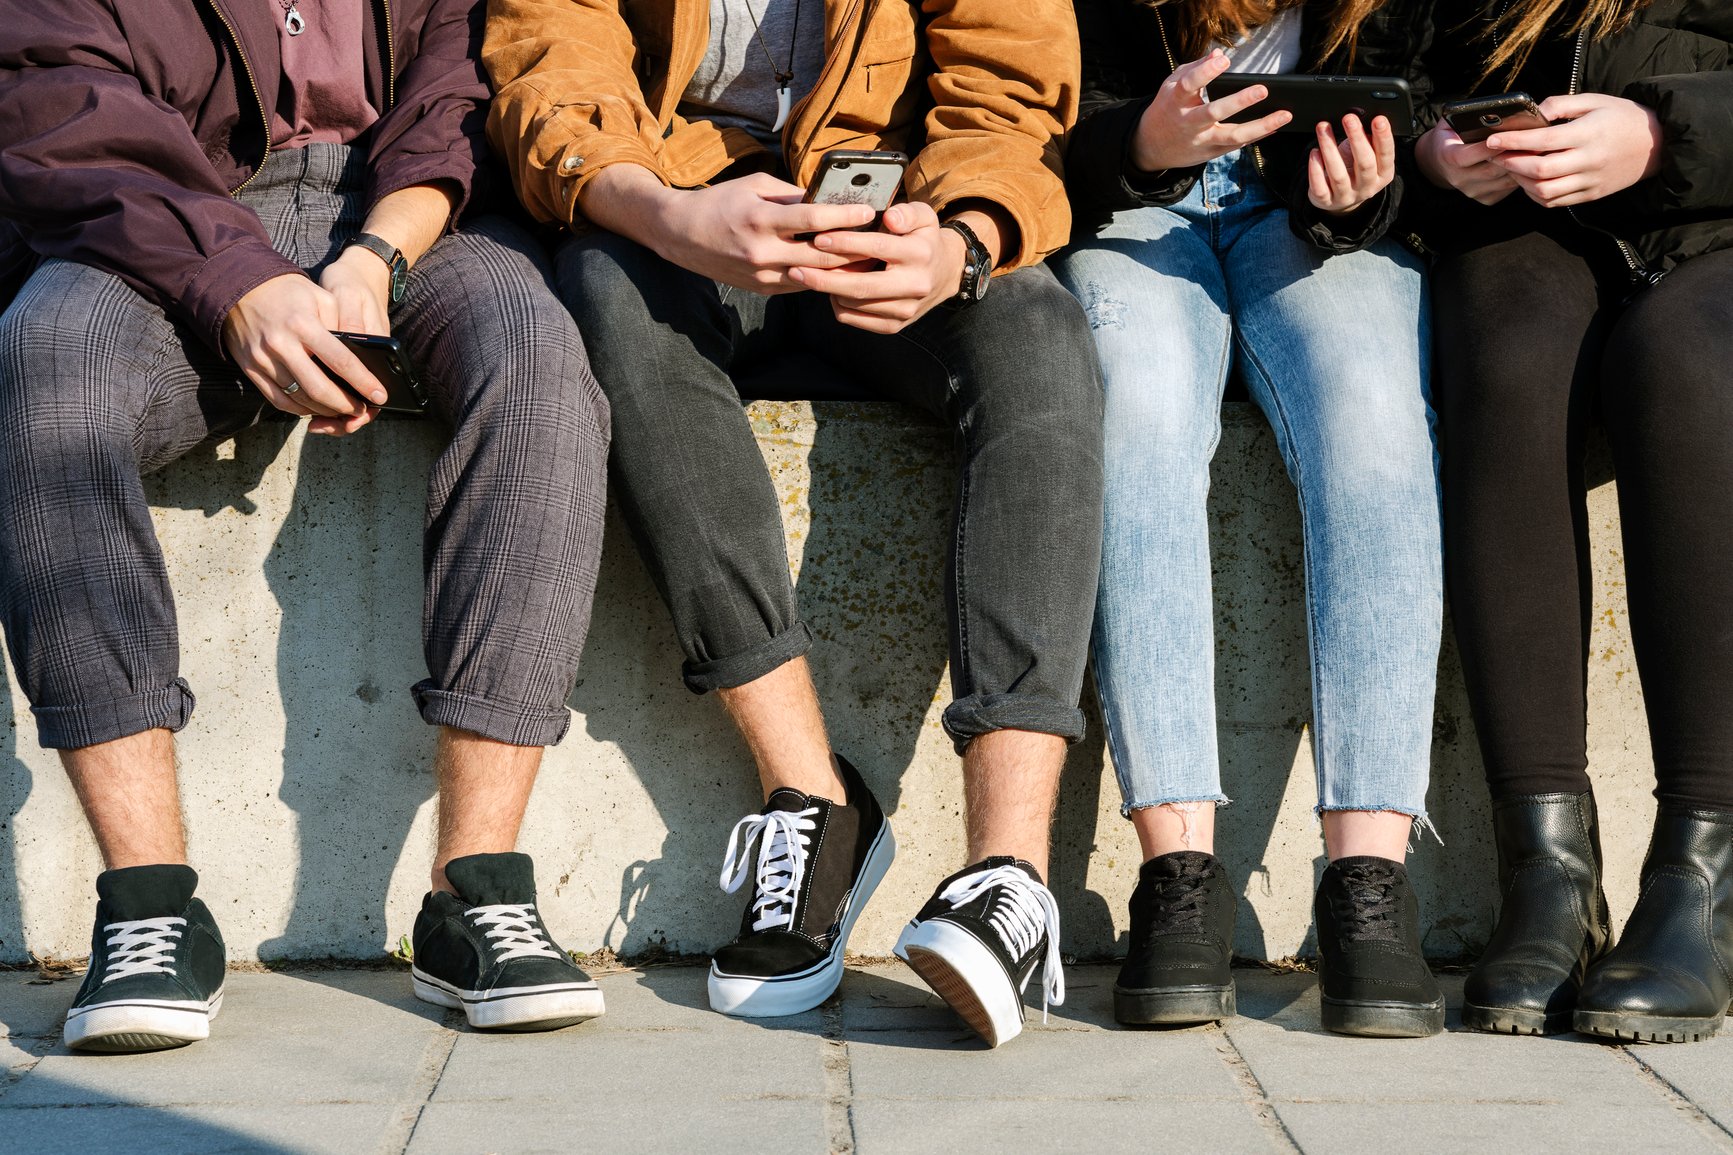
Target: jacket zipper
(795, 159)
(1640, 272)
(1173, 66)
(258, 98)
(390, 58)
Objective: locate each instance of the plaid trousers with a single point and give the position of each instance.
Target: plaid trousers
(98, 387)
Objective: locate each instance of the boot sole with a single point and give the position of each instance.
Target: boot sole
(147, 1025)
(1382, 1020)
(1173, 1006)
(753, 996)
(1646, 1028)
(967, 975)
(1514, 1020)
(546, 1008)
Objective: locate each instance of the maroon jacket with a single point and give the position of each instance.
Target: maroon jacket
(126, 126)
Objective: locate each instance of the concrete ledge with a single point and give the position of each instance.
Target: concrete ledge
(306, 769)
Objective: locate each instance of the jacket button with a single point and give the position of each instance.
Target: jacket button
(572, 163)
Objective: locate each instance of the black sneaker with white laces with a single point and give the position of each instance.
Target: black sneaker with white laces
(156, 964)
(484, 951)
(977, 941)
(818, 863)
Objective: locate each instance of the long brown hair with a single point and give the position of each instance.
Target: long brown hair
(1204, 23)
(1521, 24)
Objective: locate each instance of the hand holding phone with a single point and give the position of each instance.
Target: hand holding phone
(1479, 117)
(1180, 128)
(385, 358)
(856, 177)
(1342, 176)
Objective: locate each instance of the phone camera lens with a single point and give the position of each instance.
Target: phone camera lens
(862, 179)
(1492, 120)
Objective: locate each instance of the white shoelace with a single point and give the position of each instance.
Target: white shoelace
(1027, 910)
(142, 946)
(782, 842)
(512, 931)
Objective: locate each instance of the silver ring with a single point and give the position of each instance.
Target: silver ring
(292, 387)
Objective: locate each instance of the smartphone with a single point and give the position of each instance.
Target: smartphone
(1327, 98)
(848, 176)
(1478, 118)
(386, 360)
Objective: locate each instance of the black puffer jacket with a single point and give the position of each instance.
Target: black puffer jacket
(1126, 57)
(1676, 58)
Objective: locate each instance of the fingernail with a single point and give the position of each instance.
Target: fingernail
(797, 275)
(822, 242)
(379, 398)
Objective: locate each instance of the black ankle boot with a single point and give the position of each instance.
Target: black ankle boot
(1552, 923)
(1666, 981)
(1178, 969)
(1372, 978)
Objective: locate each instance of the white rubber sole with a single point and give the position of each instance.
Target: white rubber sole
(750, 996)
(967, 975)
(543, 1008)
(140, 1024)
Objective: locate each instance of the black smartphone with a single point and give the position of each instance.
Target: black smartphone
(1327, 98)
(1478, 118)
(849, 176)
(386, 360)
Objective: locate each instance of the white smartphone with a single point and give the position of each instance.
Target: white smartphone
(855, 177)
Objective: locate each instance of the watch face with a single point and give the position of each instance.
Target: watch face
(399, 280)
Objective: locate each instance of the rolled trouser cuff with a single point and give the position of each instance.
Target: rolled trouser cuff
(968, 718)
(739, 669)
(509, 722)
(90, 724)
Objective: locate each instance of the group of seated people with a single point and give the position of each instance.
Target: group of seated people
(214, 212)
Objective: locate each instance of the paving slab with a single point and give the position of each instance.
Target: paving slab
(677, 998)
(1580, 1127)
(1700, 1072)
(962, 1128)
(32, 1008)
(709, 1125)
(257, 1129)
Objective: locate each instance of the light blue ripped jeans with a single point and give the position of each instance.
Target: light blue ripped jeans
(1334, 351)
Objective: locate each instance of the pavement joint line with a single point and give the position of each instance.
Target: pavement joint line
(1252, 1091)
(838, 1082)
(434, 1059)
(1678, 1100)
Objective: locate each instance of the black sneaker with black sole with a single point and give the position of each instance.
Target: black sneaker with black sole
(1372, 977)
(485, 951)
(1179, 968)
(978, 939)
(156, 964)
(818, 863)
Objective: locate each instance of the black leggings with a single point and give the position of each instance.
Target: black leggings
(1535, 340)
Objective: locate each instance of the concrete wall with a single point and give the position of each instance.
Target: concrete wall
(306, 769)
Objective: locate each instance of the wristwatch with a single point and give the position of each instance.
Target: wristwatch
(977, 265)
(393, 258)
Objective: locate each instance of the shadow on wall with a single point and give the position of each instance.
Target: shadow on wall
(870, 566)
(14, 790)
(344, 689)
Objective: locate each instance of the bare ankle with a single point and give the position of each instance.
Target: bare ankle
(1175, 826)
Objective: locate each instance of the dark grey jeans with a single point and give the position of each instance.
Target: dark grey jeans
(97, 387)
(1015, 375)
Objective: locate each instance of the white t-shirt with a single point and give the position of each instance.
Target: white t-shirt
(1270, 49)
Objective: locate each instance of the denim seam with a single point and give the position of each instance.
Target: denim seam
(1219, 799)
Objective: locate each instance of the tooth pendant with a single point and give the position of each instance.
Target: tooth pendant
(293, 21)
(784, 102)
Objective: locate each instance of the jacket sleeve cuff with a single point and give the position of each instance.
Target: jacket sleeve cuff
(456, 170)
(1351, 232)
(1099, 170)
(224, 279)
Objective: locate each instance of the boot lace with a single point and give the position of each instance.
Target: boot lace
(513, 931)
(783, 838)
(1023, 912)
(142, 946)
(1369, 906)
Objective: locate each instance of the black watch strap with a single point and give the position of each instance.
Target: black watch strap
(393, 258)
(977, 264)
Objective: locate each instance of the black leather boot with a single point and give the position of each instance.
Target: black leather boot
(1372, 978)
(1666, 981)
(1179, 967)
(1552, 921)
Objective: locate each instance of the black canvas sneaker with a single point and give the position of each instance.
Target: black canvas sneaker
(1372, 978)
(977, 941)
(1179, 967)
(818, 863)
(485, 951)
(156, 964)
